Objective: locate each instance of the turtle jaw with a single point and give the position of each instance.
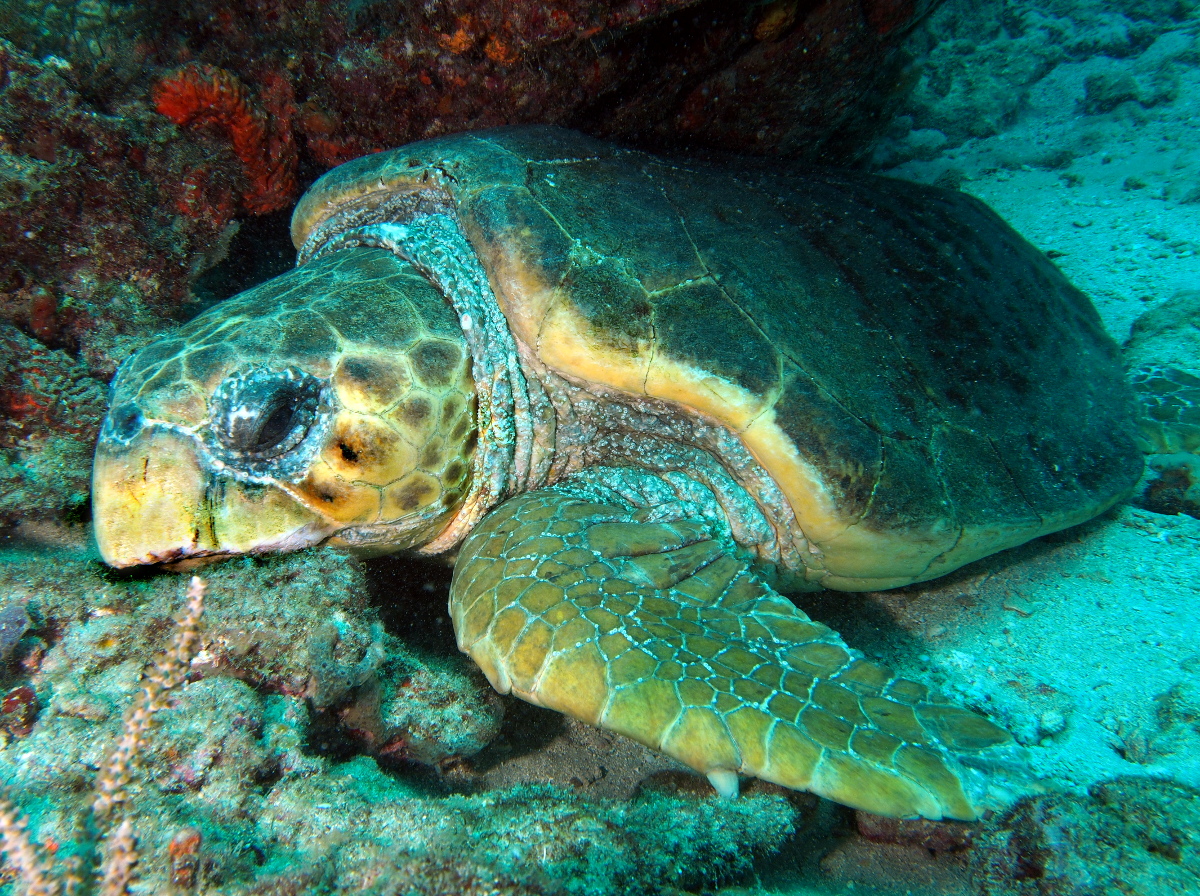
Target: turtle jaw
(154, 501)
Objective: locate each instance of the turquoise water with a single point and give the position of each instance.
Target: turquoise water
(317, 729)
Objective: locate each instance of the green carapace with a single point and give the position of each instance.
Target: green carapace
(637, 399)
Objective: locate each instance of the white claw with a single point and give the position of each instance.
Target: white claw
(724, 782)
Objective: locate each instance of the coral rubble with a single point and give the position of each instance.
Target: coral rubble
(92, 252)
(230, 790)
(50, 411)
(1131, 835)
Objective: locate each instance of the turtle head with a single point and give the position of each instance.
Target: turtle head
(334, 402)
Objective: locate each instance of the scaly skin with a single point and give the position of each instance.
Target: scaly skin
(570, 598)
(1170, 422)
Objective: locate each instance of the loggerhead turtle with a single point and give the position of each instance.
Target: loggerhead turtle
(636, 397)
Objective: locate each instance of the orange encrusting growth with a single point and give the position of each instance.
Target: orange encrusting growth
(200, 95)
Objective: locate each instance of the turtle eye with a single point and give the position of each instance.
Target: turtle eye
(259, 430)
(274, 426)
(123, 422)
(265, 413)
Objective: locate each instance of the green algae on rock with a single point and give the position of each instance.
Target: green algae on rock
(545, 838)
(235, 765)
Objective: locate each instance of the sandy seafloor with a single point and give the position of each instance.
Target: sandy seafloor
(1079, 122)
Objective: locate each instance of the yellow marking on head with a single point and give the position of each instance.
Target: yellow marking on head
(331, 495)
(151, 503)
(362, 448)
(369, 384)
(414, 492)
(403, 442)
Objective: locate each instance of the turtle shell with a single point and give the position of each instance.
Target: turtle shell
(924, 385)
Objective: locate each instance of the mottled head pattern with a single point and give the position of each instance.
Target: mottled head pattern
(336, 400)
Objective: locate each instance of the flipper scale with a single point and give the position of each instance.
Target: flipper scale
(662, 632)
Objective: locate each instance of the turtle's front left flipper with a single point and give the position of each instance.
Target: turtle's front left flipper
(643, 618)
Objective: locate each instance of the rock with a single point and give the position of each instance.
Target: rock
(1162, 355)
(398, 704)
(14, 620)
(934, 836)
(1171, 484)
(369, 828)
(1104, 91)
(1129, 835)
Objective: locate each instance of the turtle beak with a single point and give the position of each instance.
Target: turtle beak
(153, 501)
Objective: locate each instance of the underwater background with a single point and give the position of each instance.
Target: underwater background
(317, 730)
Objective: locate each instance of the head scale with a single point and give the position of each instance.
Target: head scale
(335, 401)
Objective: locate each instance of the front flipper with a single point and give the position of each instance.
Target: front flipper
(643, 618)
